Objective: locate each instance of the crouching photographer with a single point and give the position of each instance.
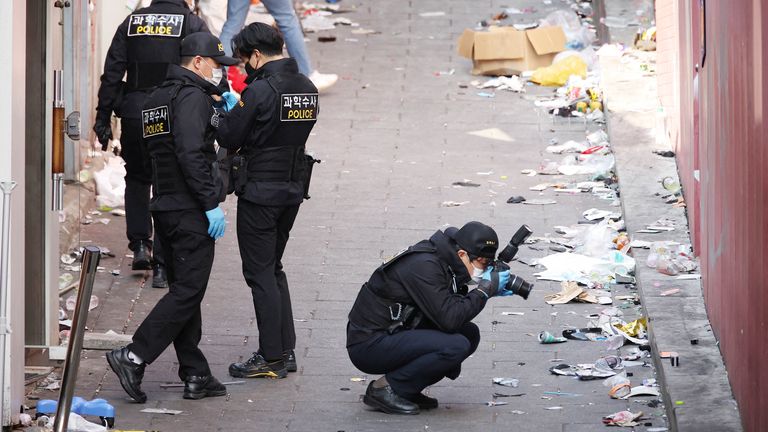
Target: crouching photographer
(412, 320)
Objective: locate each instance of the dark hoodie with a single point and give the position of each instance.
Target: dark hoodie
(433, 280)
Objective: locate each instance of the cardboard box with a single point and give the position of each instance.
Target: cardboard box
(506, 51)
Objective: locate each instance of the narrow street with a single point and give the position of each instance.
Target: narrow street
(394, 135)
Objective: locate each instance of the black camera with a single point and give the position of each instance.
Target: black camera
(516, 284)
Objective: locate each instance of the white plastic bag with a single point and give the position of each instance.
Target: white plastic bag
(110, 183)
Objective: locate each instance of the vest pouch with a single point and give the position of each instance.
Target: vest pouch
(221, 172)
(306, 174)
(409, 318)
(238, 175)
(167, 178)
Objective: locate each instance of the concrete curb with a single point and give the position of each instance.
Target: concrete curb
(697, 394)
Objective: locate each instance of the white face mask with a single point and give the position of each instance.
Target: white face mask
(216, 75)
(477, 273)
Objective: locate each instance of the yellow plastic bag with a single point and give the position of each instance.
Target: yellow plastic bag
(557, 74)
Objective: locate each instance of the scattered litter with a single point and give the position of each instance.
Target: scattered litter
(118, 212)
(559, 72)
(453, 203)
(540, 202)
(568, 147)
(664, 153)
(72, 302)
(465, 183)
(515, 199)
(546, 337)
(669, 292)
(486, 95)
(553, 408)
(317, 22)
(689, 277)
(559, 393)
(503, 395)
(496, 403)
(584, 334)
(67, 259)
(110, 184)
(643, 391)
(161, 411)
(77, 423)
(357, 379)
(622, 419)
(432, 14)
(507, 382)
(364, 31)
(619, 386)
(517, 412)
(115, 272)
(513, 313)
(326, 38)
(493, 133)
(513, 83)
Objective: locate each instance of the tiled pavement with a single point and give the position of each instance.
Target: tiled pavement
(393, 137)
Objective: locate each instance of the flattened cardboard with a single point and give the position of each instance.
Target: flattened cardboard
(506, 51)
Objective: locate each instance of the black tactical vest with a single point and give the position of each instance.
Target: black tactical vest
(157, 128)
(154, 41)
(278, 170)
(376, 309)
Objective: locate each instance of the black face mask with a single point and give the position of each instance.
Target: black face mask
(249, 69)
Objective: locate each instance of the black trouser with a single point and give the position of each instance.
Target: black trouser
(262, 233)
(413, 360)
(176, 317)
(138, 179)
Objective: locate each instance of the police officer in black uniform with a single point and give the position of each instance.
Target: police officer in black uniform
(178, 125)
(412, 320)
(270, 126)
(145, 43)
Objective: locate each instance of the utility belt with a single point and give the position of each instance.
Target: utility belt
(272, 164)
(142, 76)
(393, 315)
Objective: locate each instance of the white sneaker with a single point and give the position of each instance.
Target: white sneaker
(323, 81)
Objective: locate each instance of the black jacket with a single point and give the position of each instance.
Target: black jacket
(182, 159)
(435, 282)
(259, 127)
(111, 97)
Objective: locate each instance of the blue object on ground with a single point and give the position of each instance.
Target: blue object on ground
(96, 407)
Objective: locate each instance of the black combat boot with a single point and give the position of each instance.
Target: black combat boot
(198, 387)
(258, 367)
(386, 400)
(129, 373)
(142, 256)
(159, 277)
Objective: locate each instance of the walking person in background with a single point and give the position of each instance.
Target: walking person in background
(288, 23)
(145, 43)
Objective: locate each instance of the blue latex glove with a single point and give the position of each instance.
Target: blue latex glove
(216, 223)
(229, 99)
(496, 288)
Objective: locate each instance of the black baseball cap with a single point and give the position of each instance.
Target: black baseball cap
(204, 44)
(476, 238)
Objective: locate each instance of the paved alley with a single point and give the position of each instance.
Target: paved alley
(393, 136)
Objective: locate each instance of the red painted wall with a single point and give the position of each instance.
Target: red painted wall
(722, 133)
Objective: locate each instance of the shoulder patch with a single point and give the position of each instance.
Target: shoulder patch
(166, 25)
(155, 121)
(298, 107)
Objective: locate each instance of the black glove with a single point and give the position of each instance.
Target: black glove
(103, 129)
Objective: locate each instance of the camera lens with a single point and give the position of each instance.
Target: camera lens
(519, 286)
